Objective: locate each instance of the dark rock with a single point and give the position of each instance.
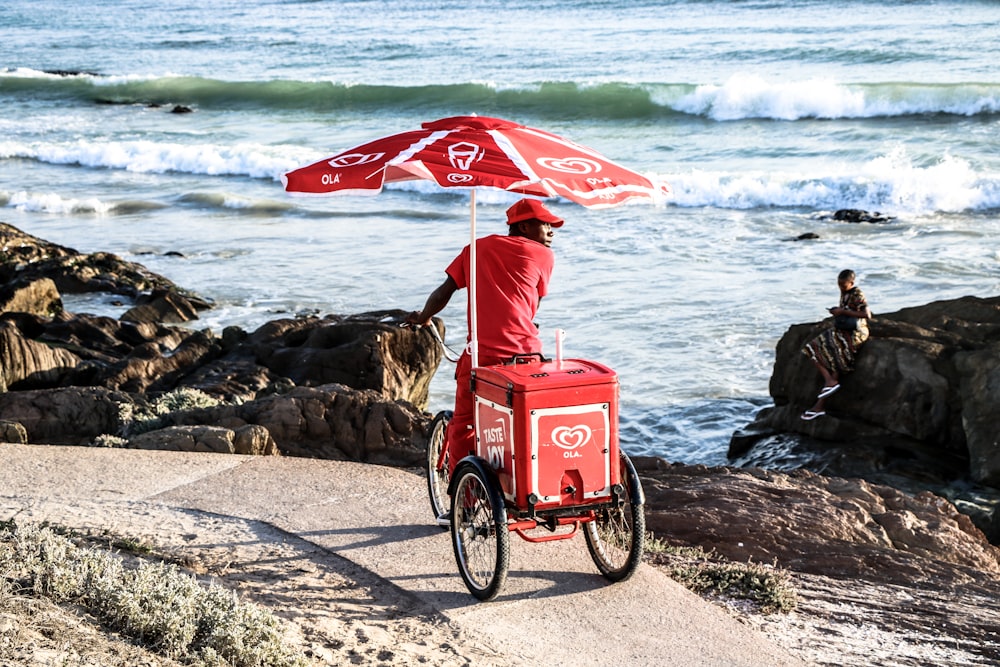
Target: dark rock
(151, 368)
(80, 377)
(926, 382)
(27, 364)
(67, 415)
(180, 108)
(365, 351)
(27, 257)
(233, 379)
(857, 215)
(85, 349)
(161, 306)
(327, 422)
(71, 72)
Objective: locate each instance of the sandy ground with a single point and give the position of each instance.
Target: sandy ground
(346, 602)
(340, 614)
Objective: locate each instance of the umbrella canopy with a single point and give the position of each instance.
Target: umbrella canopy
(474, 151)
(471, 152)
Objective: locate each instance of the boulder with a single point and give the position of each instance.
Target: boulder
(161, 306)
(67, 415)
(250, 440)
(37, 296)
(837, 527)
(99, 351)
(927, 382)
(154, 368)
(327, 422)
(79, 377)
(365, 351)
(13, 432)
(28, 364)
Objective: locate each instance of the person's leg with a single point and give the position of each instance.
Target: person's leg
(460, 437)
(830, 378)
(816, 352)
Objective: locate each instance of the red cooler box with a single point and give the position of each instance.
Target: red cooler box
(550, 430)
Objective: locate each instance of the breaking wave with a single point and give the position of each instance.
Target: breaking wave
(892, 183)
(740, 97)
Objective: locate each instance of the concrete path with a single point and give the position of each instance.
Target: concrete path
(555, 609)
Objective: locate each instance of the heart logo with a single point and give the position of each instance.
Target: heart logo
(354, 159)
(570, 165)
(459, 178)
(571, 437)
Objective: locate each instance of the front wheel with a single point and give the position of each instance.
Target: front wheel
(479, 533)
(617, 536)
(437, 466)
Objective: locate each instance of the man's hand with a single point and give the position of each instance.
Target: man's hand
(415, 319)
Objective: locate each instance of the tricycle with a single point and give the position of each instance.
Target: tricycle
(547, 463)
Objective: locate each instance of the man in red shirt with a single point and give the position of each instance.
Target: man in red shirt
(514, 273)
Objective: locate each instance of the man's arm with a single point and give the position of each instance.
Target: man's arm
(436, 302)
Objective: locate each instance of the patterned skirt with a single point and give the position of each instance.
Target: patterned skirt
(836, 349)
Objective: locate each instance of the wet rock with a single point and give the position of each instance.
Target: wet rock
(27, 257)
(925, 384)
(161, 306)
(858, 215)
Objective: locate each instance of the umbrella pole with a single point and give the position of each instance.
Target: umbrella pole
(473, 310)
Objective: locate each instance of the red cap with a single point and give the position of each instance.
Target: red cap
(531, 209)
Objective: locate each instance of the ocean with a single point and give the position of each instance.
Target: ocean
(147, 128)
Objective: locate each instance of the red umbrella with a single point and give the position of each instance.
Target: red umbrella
(474, 151)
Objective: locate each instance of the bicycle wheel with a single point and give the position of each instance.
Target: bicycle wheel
(482, 547)
(617, 537)
(437, 477)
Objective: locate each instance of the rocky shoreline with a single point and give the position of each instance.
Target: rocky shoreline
(896, 527)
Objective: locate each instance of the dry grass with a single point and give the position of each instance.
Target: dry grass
(769, 588)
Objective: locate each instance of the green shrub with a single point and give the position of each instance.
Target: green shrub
(154, 603)
(135, 419)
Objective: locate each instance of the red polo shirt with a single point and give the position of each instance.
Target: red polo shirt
(514, 275)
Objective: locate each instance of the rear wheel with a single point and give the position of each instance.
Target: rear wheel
(479, 533)
(437, 467)
(617, 537)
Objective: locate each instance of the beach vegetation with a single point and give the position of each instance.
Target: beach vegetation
(135, 419)
(153, 603)
(706, 573)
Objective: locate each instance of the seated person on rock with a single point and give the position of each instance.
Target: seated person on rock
(834, 350)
